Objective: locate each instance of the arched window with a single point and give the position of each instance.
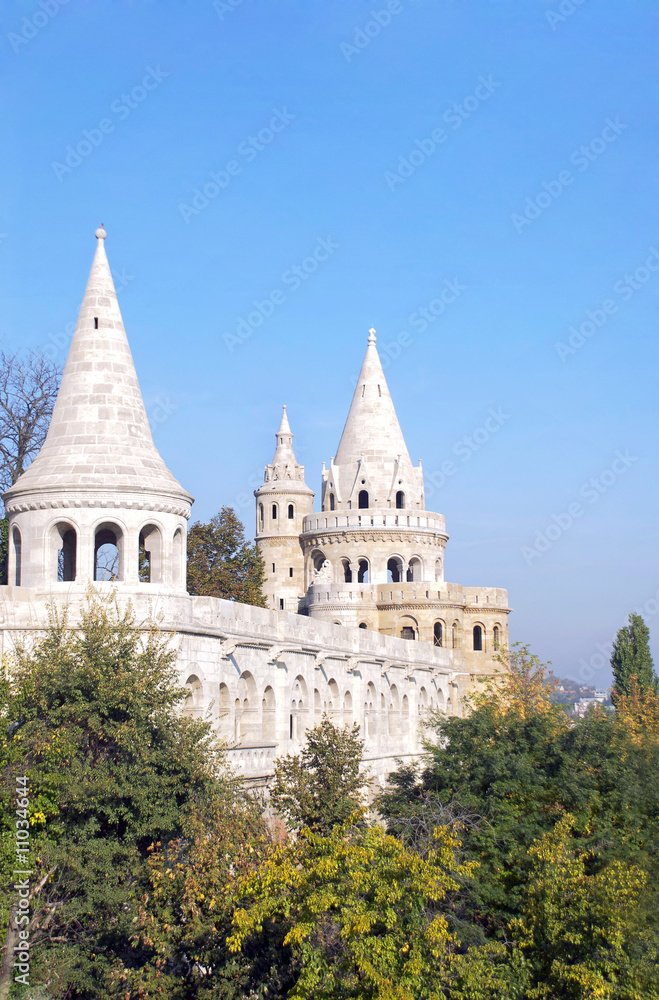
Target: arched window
(455, 637)
(438, 634)
(178, 564)
(408, 628)
(438, 570)
(150, 554)
(260, 517)
(66, 541)
(362, 571)
(478, 638)
(363, 625)
(394, 570)
(400, 500)
(274, 512)
(496, 637)
(195, 697)
(414, 573)
(269, 713)
(18, 555)
(363, 499)
(331, 501)
(291, 512)
(347, 572)
(108, 543)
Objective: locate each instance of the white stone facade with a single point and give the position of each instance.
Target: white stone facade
(348, 587)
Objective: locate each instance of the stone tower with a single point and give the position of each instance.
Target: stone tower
(98, 503)
(374, 556)
(281, 505)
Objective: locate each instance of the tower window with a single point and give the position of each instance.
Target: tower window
(394, 570)
(281, 603)
(260, 515)
(274, 512)
(478, 638)
(290, 571)
(291, 512)
(331, 501)
(363, 625)
(455, 639)
(66, 540)
(438, 638)
(18, 552)
(407, 632)
(363, 499)
(96, 322)
(400, 500)
(362, 571)
(273, 567)
(496, 637)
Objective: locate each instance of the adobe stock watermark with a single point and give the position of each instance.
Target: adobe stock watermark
(598, 317)
(219, 180)
(602, 657)
(224, 7)
(160, 411)
(421, 318)
(293, 278)
(455, 117)
(364, 35)
(31, 26)
(465, 449)
(580, 158)
(590, 491)
(20, 914)
(121, 107)
(565, 9)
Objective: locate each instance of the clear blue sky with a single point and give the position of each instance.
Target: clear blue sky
(439, 150)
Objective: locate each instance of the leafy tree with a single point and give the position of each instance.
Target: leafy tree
(222, 564)
(516, 764)
(631, 658)
(322, 786)
(113, 769)
(361, 910)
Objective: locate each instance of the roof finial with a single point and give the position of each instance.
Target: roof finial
(371, 336)
(100, 233)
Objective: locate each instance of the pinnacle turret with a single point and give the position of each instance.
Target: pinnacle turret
(99, 437)
(372, 462)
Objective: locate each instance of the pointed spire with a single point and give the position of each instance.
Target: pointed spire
(99, 436)
(372, 454)
(284, 465)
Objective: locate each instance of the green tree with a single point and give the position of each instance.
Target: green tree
(631, 658)
(361, 910)
(113, 768)
(322, 786)
(222, 564)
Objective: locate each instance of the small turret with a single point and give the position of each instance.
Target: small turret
(281, 504)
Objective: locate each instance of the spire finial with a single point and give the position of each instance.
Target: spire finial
(100, 233)
(371, 336)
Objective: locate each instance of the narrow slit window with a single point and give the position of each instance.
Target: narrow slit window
(96, 322)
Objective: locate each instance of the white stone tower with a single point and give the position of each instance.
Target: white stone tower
(281, 505)
(98, 503)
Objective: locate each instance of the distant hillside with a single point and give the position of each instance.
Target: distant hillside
(569, 691)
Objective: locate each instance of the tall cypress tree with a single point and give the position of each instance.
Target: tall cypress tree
(631, 657)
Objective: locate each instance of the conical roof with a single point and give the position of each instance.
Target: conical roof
(99, 437)
(372, 454)
(372, 430)
(284, 470)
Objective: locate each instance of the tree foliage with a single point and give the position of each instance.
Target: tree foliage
(631, 658)
(321, 787)
(362, 912)
(117, 778)
(222, 564)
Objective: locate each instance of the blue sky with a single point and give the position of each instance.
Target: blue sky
(501, 153)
